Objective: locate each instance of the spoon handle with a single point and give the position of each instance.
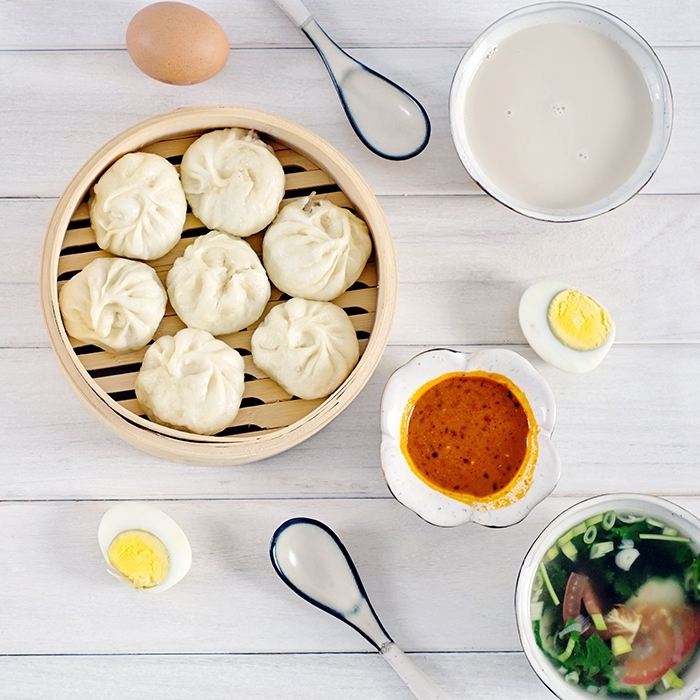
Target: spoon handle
(418, 683)
(296, 11)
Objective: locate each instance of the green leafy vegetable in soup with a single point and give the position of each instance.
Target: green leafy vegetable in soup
(616, 605)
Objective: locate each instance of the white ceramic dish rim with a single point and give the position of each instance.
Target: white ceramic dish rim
(434, 506)
(609, 25)
(624, 502)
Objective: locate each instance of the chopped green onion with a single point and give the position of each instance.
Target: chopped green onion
(609, 520)
(570, 627)
(552, 553)
(565, 538)
(655, 523)
(619, 645)
(664, 538)
(537, 582)
(641, 691)
(599, 622)
(625, 558)
(572, 677)
(548, 583)
(569, 550)
(579, 529)
(536, 610)
(600, 549)
(688, 581)
(671, 680)
(590, 534)
(671, 531)
(628, 518)
(564, 656)
(594, 520)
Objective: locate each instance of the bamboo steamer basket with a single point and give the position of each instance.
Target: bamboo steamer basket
(270, 420)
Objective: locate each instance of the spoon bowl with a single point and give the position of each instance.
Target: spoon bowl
(386, 118)
(310, 558)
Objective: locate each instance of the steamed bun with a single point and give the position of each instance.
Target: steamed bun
(308, 347)
(233, 181)
(219, 284)
(315, 249)
(138, 207)
(191, 381)
(113, 303)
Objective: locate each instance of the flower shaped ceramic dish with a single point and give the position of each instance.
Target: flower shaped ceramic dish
(531, 484)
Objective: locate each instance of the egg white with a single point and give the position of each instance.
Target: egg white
(141, 516)
(532, 314)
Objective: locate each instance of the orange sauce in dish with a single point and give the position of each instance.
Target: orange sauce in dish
(470, 435)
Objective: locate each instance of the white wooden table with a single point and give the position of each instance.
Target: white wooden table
(231, 629)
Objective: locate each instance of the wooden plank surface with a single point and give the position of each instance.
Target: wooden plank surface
(231, 628)
(261, 677)
(632, 420)
(258, 23)
(103, 96)
(464, 262)
(232, 588)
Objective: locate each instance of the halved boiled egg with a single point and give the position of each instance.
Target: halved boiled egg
(144, 546)
(566, 328)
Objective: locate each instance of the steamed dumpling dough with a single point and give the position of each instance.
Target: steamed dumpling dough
(191, 381)
(315, 249)
(138, 208)
(113, 303)
(219, 285)
(233, 181)
(307, 347)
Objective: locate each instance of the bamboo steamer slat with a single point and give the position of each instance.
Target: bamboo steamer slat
(270, 420)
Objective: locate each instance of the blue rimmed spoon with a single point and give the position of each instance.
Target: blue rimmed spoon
(313, 562)
(386, 118)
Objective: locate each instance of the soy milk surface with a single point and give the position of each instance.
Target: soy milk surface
(558, 116)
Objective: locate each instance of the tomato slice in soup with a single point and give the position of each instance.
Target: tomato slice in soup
(579, 591)
(666, 635)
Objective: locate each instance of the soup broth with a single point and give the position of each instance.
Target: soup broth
(616, 605)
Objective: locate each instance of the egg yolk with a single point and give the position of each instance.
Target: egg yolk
(578, 321)
(139, 556)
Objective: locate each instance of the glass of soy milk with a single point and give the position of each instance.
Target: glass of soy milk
(560, 111)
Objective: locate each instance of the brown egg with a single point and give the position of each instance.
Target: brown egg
(176, 43)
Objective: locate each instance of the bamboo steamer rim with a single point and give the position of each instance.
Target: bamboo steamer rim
(181, 446)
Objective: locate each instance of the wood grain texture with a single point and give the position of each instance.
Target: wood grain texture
(94, 100)
(640, 261)
(264, 676)
(260, 23)
(428, 585)
(631, 421)
(231, 628)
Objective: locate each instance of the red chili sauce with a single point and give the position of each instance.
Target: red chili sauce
(467, 434)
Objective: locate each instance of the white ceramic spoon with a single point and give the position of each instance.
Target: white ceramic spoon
(389, 121)
(312, 561)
